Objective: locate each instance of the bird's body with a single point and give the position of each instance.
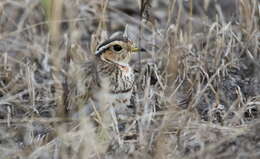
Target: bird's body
(108, 77)
(101, 89)
(109, 84)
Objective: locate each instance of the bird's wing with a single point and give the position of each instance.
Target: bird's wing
(83, 79)
(89, 76)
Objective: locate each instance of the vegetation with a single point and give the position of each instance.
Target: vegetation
(197, 92)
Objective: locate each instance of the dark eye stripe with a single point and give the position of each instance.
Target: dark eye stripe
(101, 50)
(111, 40)
(106, 44)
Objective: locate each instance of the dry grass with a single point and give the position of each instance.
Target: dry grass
(197, 87)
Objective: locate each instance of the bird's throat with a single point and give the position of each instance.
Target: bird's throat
(124, 68)
(121, 66)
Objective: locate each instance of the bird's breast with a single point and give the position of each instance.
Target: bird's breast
(116, 86)
(122, 81)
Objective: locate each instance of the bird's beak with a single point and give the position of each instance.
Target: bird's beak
(135, 49)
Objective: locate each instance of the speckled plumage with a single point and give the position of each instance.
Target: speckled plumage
(108, 77)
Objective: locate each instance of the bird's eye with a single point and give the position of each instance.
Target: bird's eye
(117, 47)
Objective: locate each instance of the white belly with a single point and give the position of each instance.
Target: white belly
(105, 99)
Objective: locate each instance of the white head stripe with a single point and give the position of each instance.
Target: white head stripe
(102, 48)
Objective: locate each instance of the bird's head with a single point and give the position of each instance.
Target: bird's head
(116, 50)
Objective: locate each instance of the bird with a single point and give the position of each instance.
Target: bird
(100, 90)
(107, 79)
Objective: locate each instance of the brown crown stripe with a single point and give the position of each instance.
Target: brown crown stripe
(111, 40)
